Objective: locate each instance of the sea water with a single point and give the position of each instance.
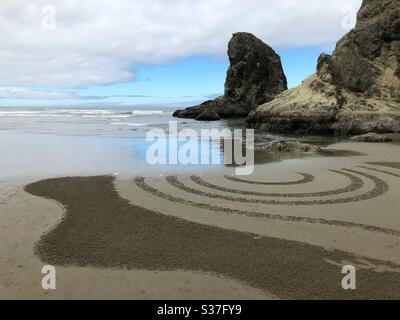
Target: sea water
(42, 142)
(37, 142)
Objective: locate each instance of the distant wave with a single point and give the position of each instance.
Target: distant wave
(121, 122)
(131, 124)
(86, 113)
(146, 112)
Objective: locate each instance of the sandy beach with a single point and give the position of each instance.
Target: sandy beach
(283, 233)
(213, 151)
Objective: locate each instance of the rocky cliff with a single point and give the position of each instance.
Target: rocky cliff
(255, 76)
(355, 90)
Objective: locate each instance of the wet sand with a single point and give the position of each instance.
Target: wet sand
(395, 165)
(25, 218)
(284, 232)
(102, 230)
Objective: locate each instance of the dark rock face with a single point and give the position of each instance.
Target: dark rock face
(372, 137)
(356, 90)
(293, 147)
(208, 115)
(194, 112)
(371, 50)
(255, 76)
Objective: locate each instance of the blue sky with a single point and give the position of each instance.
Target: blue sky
(183, 82)
(151, 52)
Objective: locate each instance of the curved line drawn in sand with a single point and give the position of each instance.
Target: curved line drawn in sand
(140, 182)
(394, 165)
(306, 179)
(380, 188)
(356, 183)
(100, 229)
(381, 171)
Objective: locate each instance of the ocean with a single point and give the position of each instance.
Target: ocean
(47, 142)
(42, 142)
(102, 122)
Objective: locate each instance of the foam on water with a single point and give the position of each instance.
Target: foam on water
(107, 122)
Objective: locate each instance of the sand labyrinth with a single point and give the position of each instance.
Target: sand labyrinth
(103, 230)
(200, 193)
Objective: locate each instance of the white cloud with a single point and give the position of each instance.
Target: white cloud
(28, 93)
(23, 93)
(98, 41)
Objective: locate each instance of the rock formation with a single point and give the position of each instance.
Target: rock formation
(208, 115)
(356, 90)
(293, 147)
(372, 137)
(255, 76)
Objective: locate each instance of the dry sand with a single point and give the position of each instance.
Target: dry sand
(285, 235)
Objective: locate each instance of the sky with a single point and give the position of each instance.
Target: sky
(151, 52)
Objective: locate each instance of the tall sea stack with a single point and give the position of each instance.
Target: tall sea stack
(255, 76)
